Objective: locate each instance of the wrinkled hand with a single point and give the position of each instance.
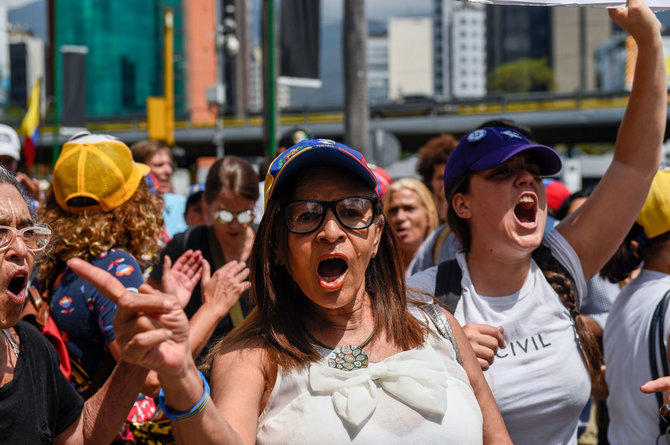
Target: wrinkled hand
(181, 278)
(638, 20)
(485, 341)
(222, 290)
(151, 327)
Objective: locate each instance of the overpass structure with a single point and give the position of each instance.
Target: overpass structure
(554, 119)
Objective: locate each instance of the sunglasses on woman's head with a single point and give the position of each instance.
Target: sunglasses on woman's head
(353, 212)
(243, 217)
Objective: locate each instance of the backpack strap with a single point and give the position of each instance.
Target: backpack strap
(236, 313)
(439, 241)
(436, 315)
(656, 329)
(448, 284)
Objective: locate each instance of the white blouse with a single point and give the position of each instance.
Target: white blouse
(418, 396)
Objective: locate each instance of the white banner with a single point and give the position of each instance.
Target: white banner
(657, 5)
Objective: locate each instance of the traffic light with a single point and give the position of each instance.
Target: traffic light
(229, 24)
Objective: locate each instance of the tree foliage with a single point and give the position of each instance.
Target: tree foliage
(521, 76)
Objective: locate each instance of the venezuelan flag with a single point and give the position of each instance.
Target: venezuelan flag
(31, 124)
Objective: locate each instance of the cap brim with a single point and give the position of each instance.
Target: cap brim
(546, 158)
(144, 169)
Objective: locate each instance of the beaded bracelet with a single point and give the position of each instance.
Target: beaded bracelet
(197, 408)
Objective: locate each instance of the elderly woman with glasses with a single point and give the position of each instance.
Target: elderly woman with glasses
(37, 403)
(218, 302)
(331, 352)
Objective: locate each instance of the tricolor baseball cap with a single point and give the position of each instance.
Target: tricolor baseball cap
(489, 147)
(315, 153)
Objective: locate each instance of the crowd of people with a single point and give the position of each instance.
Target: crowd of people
(478, 305)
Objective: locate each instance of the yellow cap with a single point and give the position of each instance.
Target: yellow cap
(655, 214)
(98, 167)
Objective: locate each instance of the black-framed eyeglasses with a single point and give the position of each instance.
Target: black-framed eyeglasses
(243, 217)
(35, 237)
(352, 212)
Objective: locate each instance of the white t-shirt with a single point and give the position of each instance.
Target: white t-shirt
(540, 380)
(633, 414)
(297, 414)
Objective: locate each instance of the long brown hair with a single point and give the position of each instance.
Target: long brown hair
(280, 304)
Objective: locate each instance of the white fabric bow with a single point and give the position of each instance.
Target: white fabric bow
(409, 376)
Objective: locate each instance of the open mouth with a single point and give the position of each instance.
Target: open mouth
(17, 287)
(526, 209)
(331, 271)
(401, 232)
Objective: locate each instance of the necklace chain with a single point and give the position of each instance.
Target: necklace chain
(362, 345)
(11, 342)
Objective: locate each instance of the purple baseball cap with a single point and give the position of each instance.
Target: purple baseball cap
(313, 153)
(489, 147)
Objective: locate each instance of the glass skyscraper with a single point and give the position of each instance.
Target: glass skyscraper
(124, 63)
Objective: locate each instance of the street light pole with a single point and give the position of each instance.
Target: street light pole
(269, 79)
(356, 108)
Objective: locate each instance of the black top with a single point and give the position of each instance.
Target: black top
(39, 403)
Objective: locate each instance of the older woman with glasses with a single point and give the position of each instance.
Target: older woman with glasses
(37, 403)
(218, 302)
(331, 353)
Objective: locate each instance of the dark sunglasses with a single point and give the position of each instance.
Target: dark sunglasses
(352, 212)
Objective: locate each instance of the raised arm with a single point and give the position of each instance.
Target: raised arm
(597, 228)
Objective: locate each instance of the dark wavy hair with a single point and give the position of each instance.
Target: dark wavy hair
(134, 226)
(630, 254)
(435, 151)
(276, 321)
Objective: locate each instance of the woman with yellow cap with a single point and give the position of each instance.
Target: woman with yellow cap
(634, 416)
(101, 210)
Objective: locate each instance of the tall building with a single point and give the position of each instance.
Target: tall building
(468, 50)
(410, 48)
(611, 59)
(517, 32)
(26, 55)
(4, 55)
(124, 63)
(200, 53)
(576, 34)
(378, 67)
(616, 58)
(459, 53)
